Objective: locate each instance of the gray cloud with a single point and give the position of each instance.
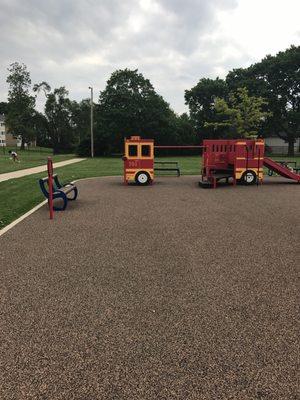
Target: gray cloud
(78, 43)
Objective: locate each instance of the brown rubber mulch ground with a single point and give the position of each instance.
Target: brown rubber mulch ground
(161, 292)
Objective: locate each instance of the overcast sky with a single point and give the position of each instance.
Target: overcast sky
(174, 43)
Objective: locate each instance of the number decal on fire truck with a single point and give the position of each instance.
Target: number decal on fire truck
(132, 163)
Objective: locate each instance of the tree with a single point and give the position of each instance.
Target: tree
(20, 115)
(3, 107)
(241, 116)
(186, 134)
(41, 129)
(201, 102)
(81, 117)
(58, 112)
(128, 106)
(277, 79)
(58, 118)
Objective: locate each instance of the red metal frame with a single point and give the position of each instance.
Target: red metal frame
(178, 147)
(50, 185)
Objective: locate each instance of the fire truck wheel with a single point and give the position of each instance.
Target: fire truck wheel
(249, 178)
(142, 178)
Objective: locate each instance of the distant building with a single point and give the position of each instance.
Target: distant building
(8, 139)
(275, 145)
(2, 131)
(11, 141)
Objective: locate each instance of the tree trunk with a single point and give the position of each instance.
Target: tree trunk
(55, 149)
(22, 143)
(291, 151)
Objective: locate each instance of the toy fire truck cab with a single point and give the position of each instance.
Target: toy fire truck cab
(138, 160)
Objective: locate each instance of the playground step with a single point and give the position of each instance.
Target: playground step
(229, 171)
(221, 175)
(205, 184)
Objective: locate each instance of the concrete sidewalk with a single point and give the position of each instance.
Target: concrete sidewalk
(36, 170)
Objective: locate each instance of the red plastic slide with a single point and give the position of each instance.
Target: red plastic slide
(281, 170)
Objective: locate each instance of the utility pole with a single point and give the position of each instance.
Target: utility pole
(92, 122)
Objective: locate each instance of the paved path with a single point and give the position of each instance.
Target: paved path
(153, 293)
(36, 170)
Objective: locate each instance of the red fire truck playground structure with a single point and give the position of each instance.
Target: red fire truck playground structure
(241, 160)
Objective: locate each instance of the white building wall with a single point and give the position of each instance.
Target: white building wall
(2, 134)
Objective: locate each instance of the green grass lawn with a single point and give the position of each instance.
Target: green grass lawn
(28, 158)
(18, 196)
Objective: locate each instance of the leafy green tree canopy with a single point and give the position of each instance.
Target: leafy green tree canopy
(58, 118)
(129, 106)
(201, 102)
(276, 79)
(3, 107)
(21, 112)
(241, 116)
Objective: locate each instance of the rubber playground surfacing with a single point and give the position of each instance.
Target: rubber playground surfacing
(161, 292)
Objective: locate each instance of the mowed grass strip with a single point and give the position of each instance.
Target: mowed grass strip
(17, 196)
(28, 159)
